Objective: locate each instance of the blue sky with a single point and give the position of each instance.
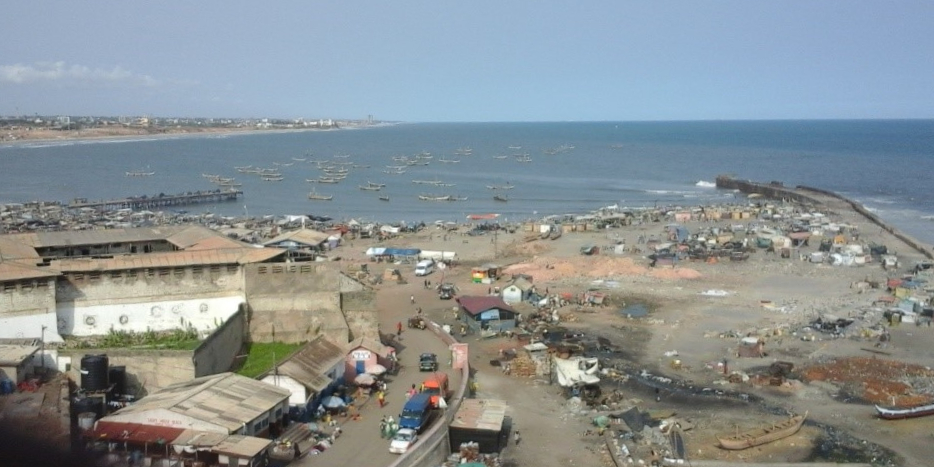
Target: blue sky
(480, 60)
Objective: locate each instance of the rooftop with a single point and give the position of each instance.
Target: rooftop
(309, 365)
(476, 304)
(306, 237)
(227, 399)
(480, 414)
(15, 354)
(169, 259)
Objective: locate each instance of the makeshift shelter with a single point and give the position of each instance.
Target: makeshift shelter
(309, 373)
(518, 291)
(486, 313)
(486, 273)
(479, 421)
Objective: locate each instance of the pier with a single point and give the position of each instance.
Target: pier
(160, 200)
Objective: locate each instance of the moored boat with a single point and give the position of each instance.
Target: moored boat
(315, 196)
(384, 198)
(369, 188)
(762, 435)
(500, 198)
(892, 413)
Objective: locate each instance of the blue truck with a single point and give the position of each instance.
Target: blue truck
(416, 412)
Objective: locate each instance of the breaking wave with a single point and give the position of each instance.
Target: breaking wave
(705, 184)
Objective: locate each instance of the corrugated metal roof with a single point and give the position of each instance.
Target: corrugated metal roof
(14, 271)
(11, 249)
(133, 432)
(372, 345)
(308, 237)
(227, 399)
(309, 365)
(194, 235)
(199, 438)
(96, 237)
(242, 446)
(476, 304)
(168, 259)
(15, 354)
(480, 414)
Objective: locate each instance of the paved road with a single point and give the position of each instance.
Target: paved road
(360, 444)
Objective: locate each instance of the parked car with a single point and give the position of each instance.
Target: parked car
(403, 440)
(428, 362)
(446, 291)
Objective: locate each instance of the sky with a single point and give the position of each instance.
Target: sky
(482, 60)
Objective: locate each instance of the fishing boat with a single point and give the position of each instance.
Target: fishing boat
(507, 186)
(378, 185)
(448, 161)
(500, 157)
(500, 198)
(435, 198)
(369, 188)
(272, 179)
(139, 173)
(909, 412)
(384, 198)
(328, 180)
(299, 159)
(762, 435)
(523, 159)
(315, 196)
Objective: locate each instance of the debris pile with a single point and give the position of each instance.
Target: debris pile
(884, 382)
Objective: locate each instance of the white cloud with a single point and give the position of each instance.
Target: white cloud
(63, 72)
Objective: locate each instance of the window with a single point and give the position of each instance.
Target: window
(116, 274)
(151, 272)
(131, 274)
(277, 269)
(179, 272)
(261, 270)
(94, 276)
(42, 284)
(197, 270)
(215, 269)
(163, 272)
(26, 285)
(78, 276)
(305, 268)
(9, 286)
(232, 268)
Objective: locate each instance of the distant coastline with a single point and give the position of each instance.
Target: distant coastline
(34, 136)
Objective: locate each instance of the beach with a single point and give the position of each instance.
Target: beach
(679, 345)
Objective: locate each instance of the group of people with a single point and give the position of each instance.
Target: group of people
(388, 427)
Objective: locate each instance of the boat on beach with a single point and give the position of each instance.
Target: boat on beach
(762, 435)
(892, 413)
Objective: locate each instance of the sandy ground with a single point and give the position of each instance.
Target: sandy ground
(767, 296)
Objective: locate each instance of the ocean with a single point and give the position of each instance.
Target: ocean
(554, 168)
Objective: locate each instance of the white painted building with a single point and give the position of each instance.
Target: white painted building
(88, 283)
(317, 365)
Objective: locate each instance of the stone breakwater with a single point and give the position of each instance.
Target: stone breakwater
(810, 195)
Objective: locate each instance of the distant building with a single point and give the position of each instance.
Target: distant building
(486, 313)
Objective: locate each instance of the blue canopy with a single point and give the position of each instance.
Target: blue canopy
(402, 251)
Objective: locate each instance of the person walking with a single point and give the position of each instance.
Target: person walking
(412, 299)
(399, 328)
(382, 427)
(381, 397)
(517, 438)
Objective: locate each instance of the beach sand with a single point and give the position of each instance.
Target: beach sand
(767, 296)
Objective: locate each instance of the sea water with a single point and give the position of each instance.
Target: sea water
(570, 167)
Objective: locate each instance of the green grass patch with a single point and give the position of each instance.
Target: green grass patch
(261, 357)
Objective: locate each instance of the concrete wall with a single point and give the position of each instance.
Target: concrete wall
(27, 297)
(360, 313)
(216, 353)
(27, 306)
(150, 299)
(435, 445)
(147, 370)
(294, 302)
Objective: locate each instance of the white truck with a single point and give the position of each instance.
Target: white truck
(424, 267)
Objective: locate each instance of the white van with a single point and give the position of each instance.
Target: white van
(424, 267)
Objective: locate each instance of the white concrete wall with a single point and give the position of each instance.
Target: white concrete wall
(30, 326)
(204, 314)
(299, 393)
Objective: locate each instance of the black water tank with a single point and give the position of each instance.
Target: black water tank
(118, 379)
(94, 373)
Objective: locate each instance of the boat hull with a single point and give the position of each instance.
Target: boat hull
(762, 435)
(901, 414)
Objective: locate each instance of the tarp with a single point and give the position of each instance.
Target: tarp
(392, 251)
(571, 372)
(438, 255)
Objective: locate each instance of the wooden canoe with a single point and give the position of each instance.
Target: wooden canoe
(762, 435)
(900, 413)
